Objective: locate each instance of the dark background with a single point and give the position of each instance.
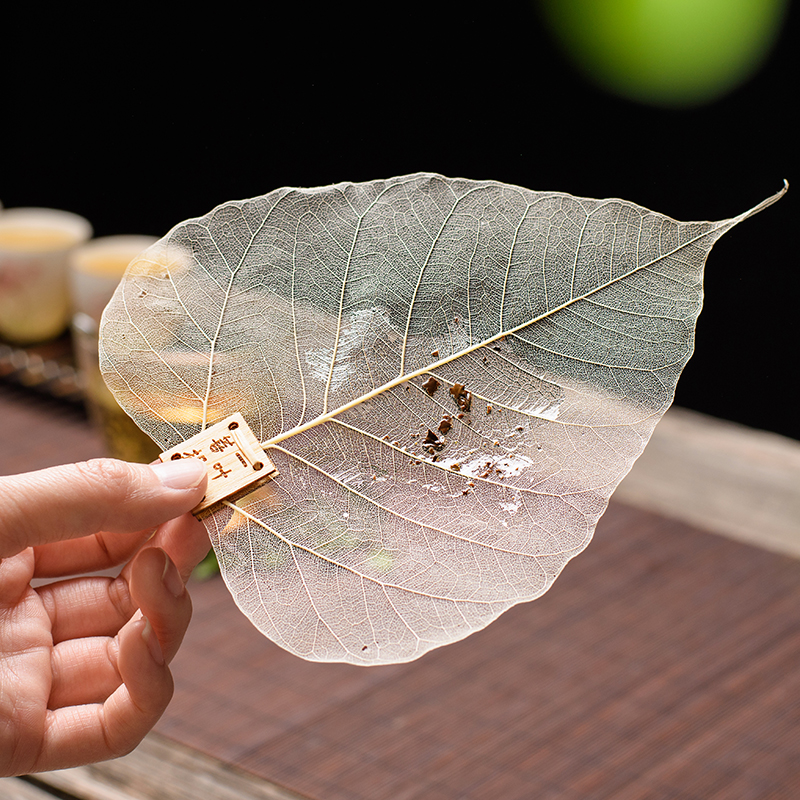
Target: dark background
(140, 120)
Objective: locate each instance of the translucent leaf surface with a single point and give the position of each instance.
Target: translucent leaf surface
(452, 377)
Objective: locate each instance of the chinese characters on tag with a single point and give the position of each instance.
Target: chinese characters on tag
(235, 460)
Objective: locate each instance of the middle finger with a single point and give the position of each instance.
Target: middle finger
(84, 671)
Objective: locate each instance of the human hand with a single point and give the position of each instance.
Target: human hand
(83, 662)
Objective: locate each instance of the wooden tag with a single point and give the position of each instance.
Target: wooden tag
(236, 462)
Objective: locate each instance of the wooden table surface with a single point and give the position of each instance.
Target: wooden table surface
(662, 664)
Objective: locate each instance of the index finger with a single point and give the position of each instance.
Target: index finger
(87, 554)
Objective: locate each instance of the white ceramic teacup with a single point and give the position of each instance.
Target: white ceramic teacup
(34, 247)
(95, 270)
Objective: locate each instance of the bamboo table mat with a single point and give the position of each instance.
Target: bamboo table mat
(662, 664)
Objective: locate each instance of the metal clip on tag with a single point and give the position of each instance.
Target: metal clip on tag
(235, 461)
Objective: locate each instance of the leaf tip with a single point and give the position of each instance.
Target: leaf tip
(764, 203)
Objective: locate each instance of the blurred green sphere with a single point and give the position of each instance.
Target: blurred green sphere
(667, 52)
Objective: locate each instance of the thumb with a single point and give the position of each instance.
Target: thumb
(73, 500)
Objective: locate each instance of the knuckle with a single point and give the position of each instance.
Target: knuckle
(13, 538)
(104, 472)
(106, 485)
(126, 748)
(118, 746)
(16, 522)
(119, 595)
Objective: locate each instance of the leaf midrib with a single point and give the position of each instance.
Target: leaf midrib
(404, 378)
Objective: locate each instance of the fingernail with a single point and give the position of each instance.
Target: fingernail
(170, 577)
(183, 473)
(151, 640)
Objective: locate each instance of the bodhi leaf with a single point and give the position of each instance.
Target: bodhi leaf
(451, 376)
